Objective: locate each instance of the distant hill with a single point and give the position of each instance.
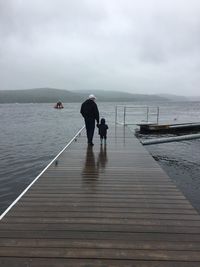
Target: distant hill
(194, 98)
(115, 96)
(51, 95)
(172, 97)
(39, 95)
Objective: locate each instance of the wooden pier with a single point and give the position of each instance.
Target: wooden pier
(104, 206)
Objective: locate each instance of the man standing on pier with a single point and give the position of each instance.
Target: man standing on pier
(90, 113)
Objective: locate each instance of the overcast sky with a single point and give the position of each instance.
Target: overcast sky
(138, 46)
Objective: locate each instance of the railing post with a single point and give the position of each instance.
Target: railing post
(115, 115)
(124, 116)
(147, 114)
(158, 111)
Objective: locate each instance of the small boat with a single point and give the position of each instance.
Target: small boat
(59, 105)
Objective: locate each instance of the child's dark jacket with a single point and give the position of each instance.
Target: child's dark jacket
(103, 129)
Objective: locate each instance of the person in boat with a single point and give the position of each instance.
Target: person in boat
(59, 105)
(90, 113)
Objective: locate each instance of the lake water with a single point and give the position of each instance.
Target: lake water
(32, 135)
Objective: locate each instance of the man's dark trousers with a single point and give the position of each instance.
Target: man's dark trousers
(90, 125)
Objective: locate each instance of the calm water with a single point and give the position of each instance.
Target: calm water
(32, 134)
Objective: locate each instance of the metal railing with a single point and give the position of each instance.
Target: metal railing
(150, 114)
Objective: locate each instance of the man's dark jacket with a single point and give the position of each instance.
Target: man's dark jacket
(89, 110)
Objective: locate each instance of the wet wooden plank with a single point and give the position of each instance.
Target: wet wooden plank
(100, 244)
(82, 214)
(106, 209)
(96, 203)
(90, 253)
(117, 236)
(97, 220)
(163, 228)
(45, 262)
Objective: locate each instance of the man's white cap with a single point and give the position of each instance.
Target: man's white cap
(92, 97)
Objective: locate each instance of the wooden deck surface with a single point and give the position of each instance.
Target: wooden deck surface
(103, 206)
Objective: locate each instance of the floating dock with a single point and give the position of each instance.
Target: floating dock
(108, 205)
(147, 128)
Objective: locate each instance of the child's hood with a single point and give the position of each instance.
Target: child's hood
(103, 121)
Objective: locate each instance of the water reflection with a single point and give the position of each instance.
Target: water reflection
(90, 169)
(92, 166)
(102, 157)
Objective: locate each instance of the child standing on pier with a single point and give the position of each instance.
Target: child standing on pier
(103, 127)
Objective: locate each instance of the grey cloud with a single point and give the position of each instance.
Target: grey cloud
(139, 46)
